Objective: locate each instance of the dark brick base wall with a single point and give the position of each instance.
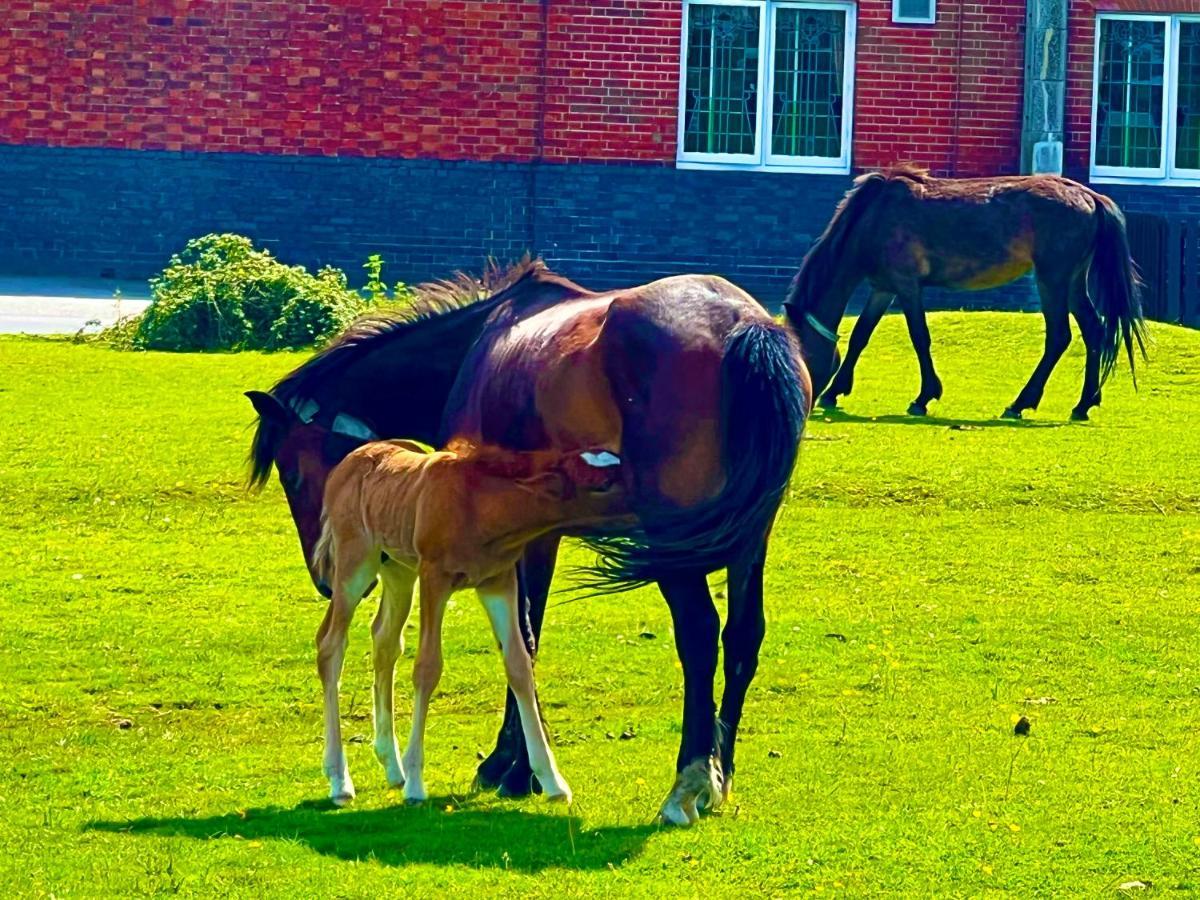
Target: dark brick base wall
(123, 213)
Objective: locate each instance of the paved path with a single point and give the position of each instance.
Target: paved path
(36, 305)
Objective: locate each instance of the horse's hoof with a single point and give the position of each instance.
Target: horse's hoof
(1079, 415)
(342, 799)
(1011, 413)
(414, 801)
(490, 773)
(676, 813)
(916, 409)
(518, 782)
(827, 402)
(563, 796)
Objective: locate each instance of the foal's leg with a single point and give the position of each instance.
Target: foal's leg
(354, 571)
(499, 597)
(388, 632)
(508, 765)
(745, 627)
(1092, 331)
(1058, 338)
(918, 332)
(843, 381)
(696, 629)
(427, 671)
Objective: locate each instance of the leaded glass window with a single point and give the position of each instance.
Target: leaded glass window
(1129, 107)
(1146, 113)
(807, 79)
(1187, 114)
(721, 95)
(767, 83)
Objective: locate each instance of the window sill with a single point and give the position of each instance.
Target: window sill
(761, 167)
(1145, 182)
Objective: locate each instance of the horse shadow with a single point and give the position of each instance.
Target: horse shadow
(837, 414)
(439, 832)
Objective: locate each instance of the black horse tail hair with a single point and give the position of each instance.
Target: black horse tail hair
(824, 258)
(1117, 288)
(763, 408)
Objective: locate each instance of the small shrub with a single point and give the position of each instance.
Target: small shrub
(221, 293)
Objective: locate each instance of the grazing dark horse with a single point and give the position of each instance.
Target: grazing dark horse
(688, 379)
(902, 230)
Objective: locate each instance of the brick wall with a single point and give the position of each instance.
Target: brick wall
(461, 79)
(947, 95)
(612, 80)
(454, 79)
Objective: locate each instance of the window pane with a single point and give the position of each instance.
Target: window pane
(1129, 105)
(810, 47)
(721, 93)
(914, 9)
(1187, 138)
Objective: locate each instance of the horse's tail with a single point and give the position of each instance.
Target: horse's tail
(323, 551)
(1117, 288)
(824, 258)
(763, 408)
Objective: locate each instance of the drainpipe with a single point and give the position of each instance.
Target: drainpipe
(539, 137)
(1045, 86)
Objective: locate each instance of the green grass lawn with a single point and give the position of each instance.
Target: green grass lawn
(929, 581)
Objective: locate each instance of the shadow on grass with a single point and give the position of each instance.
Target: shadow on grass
(840, 415)
(400, 835)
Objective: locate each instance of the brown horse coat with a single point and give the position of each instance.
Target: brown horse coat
(902, 230)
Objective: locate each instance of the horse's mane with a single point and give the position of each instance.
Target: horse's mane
(826, 255)
(436, 313)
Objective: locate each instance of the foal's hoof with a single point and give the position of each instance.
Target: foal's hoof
(1079, 415)
(1011, 413)
(828, 402)
(342, 799)
(562, 796)
(916, 409)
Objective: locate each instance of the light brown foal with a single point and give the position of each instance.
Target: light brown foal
(449, 520)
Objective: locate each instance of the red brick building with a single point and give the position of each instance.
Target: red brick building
(622, 139)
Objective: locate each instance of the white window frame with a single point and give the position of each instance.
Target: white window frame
(762, 160)
(914, 20)
(1166, 172)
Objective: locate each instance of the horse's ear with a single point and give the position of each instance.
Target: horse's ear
(269, 409)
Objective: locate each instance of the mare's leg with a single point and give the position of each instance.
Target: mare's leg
(354, 571)
(427, 671)
(395, 601)
(745, 627)
(1092, 330)
(499, 598)
(843, 381)
(696, 631)
(918, 332)
(508, 765)
(1058, 337)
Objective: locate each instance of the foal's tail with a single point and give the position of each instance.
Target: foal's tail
(763, 408)
(1117, 288)
(323, 551)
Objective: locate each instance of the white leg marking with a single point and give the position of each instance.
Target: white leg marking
(501, 609)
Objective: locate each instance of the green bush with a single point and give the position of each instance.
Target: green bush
(221, 293)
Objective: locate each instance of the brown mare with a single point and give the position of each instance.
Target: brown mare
(443, 522)
(702, 393)
(902, 230)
